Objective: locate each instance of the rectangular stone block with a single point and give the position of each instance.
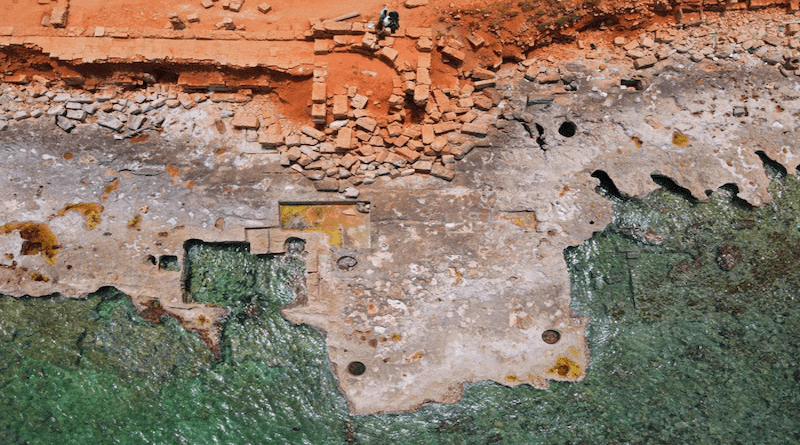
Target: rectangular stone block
(344, 139)
(421, 95)
(318, 92)
(340, 106)
(368, 124)
(475, 129)
(318, 113)
(312, 132)
(407, 153)
(246, 121)
(454, 54)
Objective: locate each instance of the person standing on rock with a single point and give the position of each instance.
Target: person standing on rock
(387, 20)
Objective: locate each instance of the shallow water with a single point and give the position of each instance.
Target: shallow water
(693, 325)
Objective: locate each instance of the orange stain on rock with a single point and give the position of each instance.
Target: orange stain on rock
(566, 368)
(39, 239)
(90, 210)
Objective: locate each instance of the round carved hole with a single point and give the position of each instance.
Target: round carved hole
(551, 336)
(346, 262)
(356, 368)
(567, 129)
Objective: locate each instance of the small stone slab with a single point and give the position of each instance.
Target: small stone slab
(318, 92)
(367, 124)
(644, 62)
(64, 123)
(443, 172)
(246, 121)
(415, 3)
(312, 132)
(344, 139)
(264, 8)
(340, 106)
(454, 54)
(110, 123)
(359, 101)
(475, 129)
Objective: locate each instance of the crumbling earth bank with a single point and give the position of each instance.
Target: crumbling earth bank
(475, 176)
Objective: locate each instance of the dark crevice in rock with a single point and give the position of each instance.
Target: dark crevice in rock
(733, 189)
(673, 187)
(607, 187)
(774, 169)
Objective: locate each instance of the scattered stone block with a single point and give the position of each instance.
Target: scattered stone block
(620, 41)
(475, 129)
(207, 3)
(368, 124)
(64, 123)
(264, 8)
(340, 106)
(421, 95)
(312, 133)
(318, 92)
(444, 127)
(792, 29)
(407, 154)
(482, 102)
(271, 139)
(136, 122)
(428, 135)
(236, 6)
(110, 123)
(322, 46)
(444, 172)
(388, 54)
(415, 3)
(475, 40)
(58, 17)
(246, 121)
(454, 54)
(176, 22)
(424, 45)
(645, 62)
(344, 139)
(359, 101)
(20, 115)
(57, 110)
(192, 18)
(422, 166)
(488, 83)
(482, 74)
(318, 112)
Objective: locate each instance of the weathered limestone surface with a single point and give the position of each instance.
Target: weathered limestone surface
(460, 277)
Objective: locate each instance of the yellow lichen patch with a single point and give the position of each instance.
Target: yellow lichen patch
(636, 141)
(36, 276)
(135, 222)
(90, 210)
(341, 222)
(527, 221)
(108, 189)
(679, 139)
(566, 368)
(38, 239)
(173, 171)
(395, 337)
(512, 378)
